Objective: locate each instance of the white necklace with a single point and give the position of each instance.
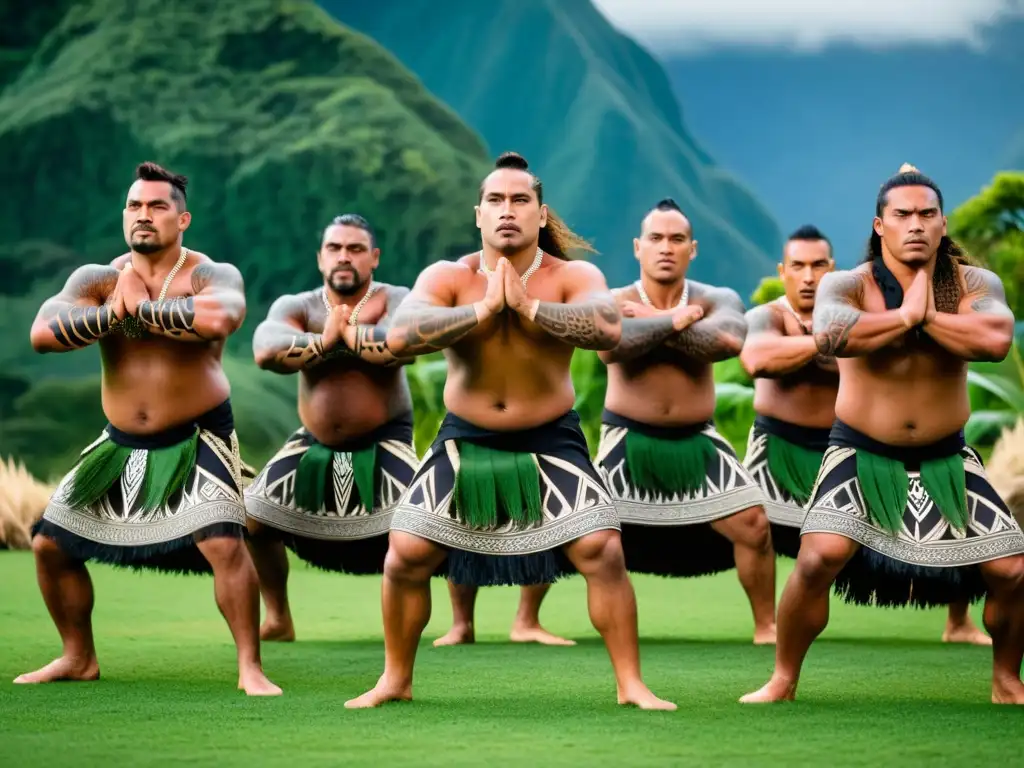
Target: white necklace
(647, 299)
(353, 319)
(525, 278)
(786, 305)
(130, 326)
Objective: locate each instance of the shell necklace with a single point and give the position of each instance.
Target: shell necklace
(130, 325)
(647, 299)
(525, 278)
(353, 319)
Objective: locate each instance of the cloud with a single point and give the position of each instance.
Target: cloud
(680, 26)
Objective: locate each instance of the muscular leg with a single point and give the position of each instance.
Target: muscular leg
(236, 588)
(612, 604)
(406, 603)
(526, 628)
(67, 591)
(803, 610)
(271, 560)
(961, 629)
(1004, 620)
(463, 598)
(750, 534)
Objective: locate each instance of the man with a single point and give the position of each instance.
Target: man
(329, 493)
(509, 472)
(160, 487)
(901, 506)
(687, 505)
(795, 389)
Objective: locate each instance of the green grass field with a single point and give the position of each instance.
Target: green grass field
(879, 688)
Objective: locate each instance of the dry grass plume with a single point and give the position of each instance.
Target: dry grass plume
(1006, 468)
(22, 501)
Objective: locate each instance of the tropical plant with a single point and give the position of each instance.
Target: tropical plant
(997, 397)
(769, 289)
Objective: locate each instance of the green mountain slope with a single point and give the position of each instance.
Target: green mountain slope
(281, 117)
(592, 111)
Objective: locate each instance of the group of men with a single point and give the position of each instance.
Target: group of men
(856, 464)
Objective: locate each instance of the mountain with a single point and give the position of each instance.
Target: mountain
(590, 109)
(816, 134)
(281, 117)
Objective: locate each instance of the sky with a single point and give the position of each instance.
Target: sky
(676, 26)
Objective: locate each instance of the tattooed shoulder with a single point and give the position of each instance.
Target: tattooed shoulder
(723, 298)
(91, 281)
(845, 286)
(985, 290)
(764, 319)
(218, 274)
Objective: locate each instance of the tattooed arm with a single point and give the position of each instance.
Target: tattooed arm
(588, 319)
(767, 351)
(719, 335)
(78, 315)
(428, 320)
(640, 335)
(370, 342)
(841, 327)
(282, 343)
(982, 329)
(214, 311)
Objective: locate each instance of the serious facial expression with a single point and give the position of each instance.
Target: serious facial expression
(665, 246)
(347, 258)
(911, 225)
(804, 263)
(509, 215)
(152, 220)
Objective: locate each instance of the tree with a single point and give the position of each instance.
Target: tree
(991, 227)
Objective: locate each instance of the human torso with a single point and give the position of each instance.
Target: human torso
(344, 397)
(153, 383)
(806, 397)
(912, 392)
(508, 373)
(662, 387)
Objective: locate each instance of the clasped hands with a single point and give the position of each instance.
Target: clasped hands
(682, 317)
(505, 289)
(918, 306)
(129, 292)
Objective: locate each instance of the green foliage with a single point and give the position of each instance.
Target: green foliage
(281, 118)
(769, 289)
(991, 227)
(997, 397)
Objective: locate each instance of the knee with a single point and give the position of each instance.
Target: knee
(46, 549)
(410, 558)
(1005, 575)
(753, 530)
(228, 552)
(599, 552)
(822, 559)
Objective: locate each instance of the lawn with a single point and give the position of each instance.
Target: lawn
(878, 689)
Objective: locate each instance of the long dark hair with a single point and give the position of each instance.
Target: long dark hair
(950, 254)
(555, 236)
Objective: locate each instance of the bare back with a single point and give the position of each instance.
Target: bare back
(672, 383)
(912, 391)
(343, 396)
(805, 396)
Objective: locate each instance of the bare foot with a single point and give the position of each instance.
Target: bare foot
(252, 680)
(1008, 691)
(382, 693)
(775, 689)
(536, 634)
(967, 632)
(765, 636)
(459, 634)
(64, 668)
(639, 695)
(278, 631)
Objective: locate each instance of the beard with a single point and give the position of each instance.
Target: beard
(149, 245)
(346, 283)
